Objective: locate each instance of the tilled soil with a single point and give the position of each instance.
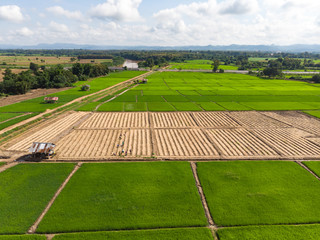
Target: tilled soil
(180, 136)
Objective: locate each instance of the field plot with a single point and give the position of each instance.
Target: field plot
(172, 120)
(215, 120)
(199, 91)
(25, 190)
(47, 133)
(289, 141)
(298, 120)
(240, 143)
(256, 193)
(310, 232)
(178, 135)
(101, 144)
(256, 120)
(184, 143)
(114, 196)
(160, 234)
(116, 120)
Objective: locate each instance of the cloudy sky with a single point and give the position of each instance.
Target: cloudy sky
(162, 22)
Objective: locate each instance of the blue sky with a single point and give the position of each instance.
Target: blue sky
(164, 23)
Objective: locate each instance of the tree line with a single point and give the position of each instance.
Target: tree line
(53, 77)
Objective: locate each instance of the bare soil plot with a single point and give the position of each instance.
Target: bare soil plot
(215, 120)
(178, 135)
(184, 143)
(298, 120)
(176, 120)
(256, 120)
(116, 120)
(289, 141)
(101, 144)
(47, 133)
(240, 143)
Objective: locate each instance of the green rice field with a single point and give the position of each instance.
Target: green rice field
(126, 196)
(159, 200)
(25, 190)
(161, 234)
(199, 65)
(190, 91)
(23, 237)
(310, 232)
(255, 193)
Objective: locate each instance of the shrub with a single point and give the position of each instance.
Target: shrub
(85, 87)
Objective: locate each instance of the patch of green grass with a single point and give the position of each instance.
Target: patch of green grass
(125, 98)
(314, 166)
(117, 196)
(254, 193)
(111, 107)
(211, 106)
(23, 237)
(265, 106)
(160, 234)
(105, 98)
(234, 106)
(16, 120)
(151, 98)
(2, 163)
(174, 98)
(314, 113)
(160, 107)
(89, 107)
(135, 107)
(186, 106)
(7, 116)
(310, 232)
(25, 190)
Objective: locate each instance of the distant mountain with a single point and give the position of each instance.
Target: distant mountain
(263, 48)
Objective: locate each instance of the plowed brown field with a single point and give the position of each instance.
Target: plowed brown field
(46, 133)
(180, 135)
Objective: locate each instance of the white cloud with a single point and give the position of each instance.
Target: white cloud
(58, 27)
(57, 10)
(117, 10)
(25, 32)
(238, 6)
(11, 13)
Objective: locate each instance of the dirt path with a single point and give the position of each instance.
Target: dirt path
(203, 198)
(34, 227)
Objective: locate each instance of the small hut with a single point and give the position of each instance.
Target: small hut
(51, 99)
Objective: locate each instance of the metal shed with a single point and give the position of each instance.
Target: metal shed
(42, 149)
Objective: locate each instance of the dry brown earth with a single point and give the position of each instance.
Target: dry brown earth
(179, 135)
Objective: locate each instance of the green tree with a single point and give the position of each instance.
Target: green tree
(34, 67)
(215, 65)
